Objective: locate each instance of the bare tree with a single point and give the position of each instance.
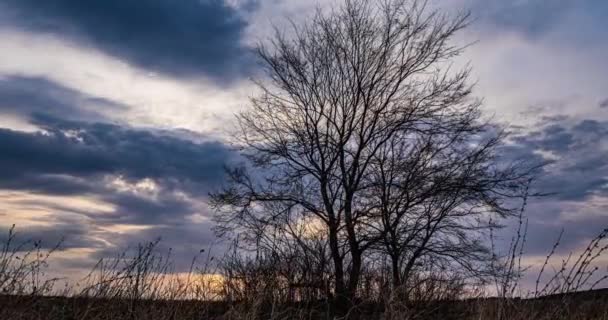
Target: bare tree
(359, 93)
(433, 192)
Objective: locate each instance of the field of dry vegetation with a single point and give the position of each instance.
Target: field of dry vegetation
(142, 284)
(371, 187)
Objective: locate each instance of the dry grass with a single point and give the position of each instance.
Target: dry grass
(142, 284)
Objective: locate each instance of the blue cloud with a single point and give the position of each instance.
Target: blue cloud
(580, 169)
(180, 38)
(72, 157)
(84, 150)
(25, 97)
(535, 18)
(532, 17)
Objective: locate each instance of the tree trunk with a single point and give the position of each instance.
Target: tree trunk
(355, 273)
(339, 287)
(396, 272)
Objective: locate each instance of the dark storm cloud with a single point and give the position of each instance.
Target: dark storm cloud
(604, 103)
(77, 158)
(88, 150)
(576, 173)
(75, 145)
(180, 38)
(580, 167)
(576, 170)
(38, 182)
(76, 153)
(26, 96)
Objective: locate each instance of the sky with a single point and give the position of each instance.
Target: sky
(115, 115)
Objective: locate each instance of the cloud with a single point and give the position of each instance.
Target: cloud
(138, 184)
(579, 220)
(26, 97)
(579, 158)
(101, 186)
(184, 241)
(575, 177)
(539, 18)
(62, 235)
(189, 38)
(604, 103)
(533, 18)
(143, 178)
(164, 209)
(104, 237)
(87, 150)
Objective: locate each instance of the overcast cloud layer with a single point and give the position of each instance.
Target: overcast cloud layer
(113, 114)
